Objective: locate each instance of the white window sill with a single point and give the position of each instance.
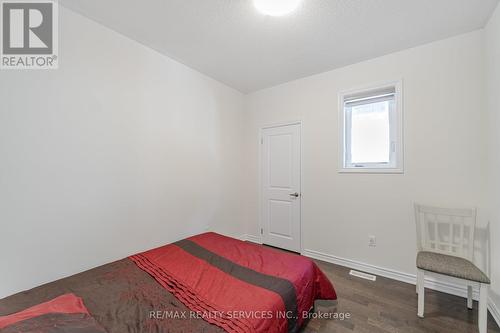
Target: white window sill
(372, 170)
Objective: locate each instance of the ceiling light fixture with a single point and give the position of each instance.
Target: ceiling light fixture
(276, 7)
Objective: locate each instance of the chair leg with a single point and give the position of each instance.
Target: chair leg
(469, 297)
(421, 292)
(483, 308)
(416, 286)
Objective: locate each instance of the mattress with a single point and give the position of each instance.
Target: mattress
(120, 297)
(206, 283)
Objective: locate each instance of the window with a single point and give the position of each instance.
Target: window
(371, 130)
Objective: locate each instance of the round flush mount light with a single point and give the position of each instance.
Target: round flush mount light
(276, 7)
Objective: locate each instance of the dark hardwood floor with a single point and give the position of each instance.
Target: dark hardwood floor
(391, 306)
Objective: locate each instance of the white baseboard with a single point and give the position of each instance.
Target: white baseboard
(252, 238)
(372, 269)
(494, 310)
(449, 287)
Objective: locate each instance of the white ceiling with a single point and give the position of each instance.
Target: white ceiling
(233, 43)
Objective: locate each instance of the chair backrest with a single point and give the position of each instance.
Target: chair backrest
(446, 231)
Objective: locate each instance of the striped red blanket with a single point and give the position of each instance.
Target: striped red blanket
(236, 285)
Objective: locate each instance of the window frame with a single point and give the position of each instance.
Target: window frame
(397, 158)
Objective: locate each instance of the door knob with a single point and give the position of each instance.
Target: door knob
(294, 194)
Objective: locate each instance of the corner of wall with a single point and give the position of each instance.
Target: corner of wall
(492, 77)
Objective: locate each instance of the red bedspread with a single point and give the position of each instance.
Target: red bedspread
(239, 286)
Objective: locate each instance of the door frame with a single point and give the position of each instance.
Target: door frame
(261, 178)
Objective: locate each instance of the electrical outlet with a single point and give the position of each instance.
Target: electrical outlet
(372, 241)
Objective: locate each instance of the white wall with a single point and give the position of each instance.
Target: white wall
(444, 156)
(492, 39)
(120, 150)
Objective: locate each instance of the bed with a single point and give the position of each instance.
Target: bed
(206, 283)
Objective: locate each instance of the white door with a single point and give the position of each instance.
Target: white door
(281, 195)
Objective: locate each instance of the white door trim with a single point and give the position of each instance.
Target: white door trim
(261, 180)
